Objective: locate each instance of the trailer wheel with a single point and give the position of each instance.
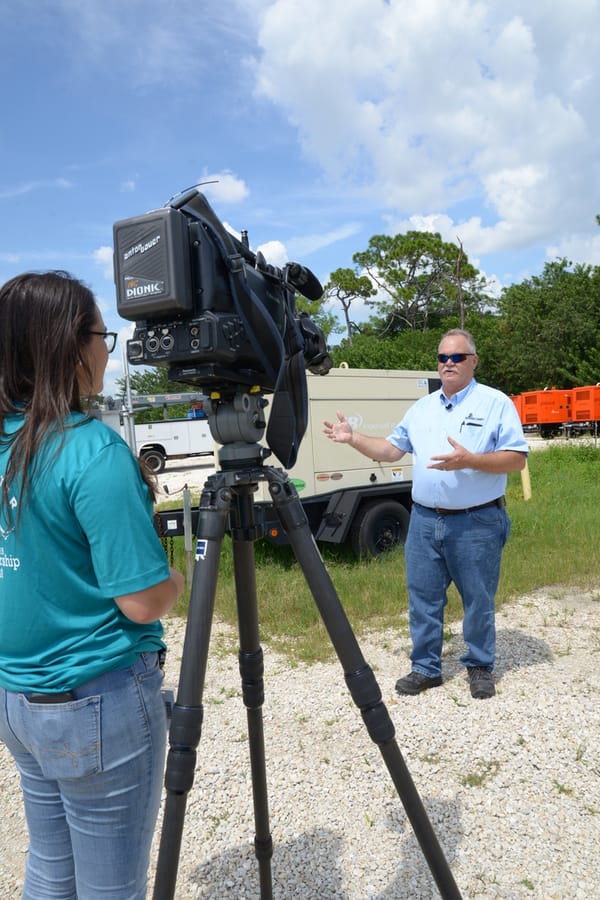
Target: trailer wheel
(379, 525)
(154, 459)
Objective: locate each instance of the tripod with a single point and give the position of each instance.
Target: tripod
(228, 496)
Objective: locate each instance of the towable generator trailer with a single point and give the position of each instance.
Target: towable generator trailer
(347, 497)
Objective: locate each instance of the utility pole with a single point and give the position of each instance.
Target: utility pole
(127, 411)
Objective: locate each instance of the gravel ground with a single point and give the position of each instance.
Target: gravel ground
(511, 785)
(180, 473)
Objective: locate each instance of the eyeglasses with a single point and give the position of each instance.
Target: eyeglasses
(110, 338)
(455, 357)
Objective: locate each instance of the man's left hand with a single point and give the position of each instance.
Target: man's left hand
(460, 458)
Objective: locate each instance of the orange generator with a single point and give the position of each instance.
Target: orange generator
(585, 404)
(551, 408)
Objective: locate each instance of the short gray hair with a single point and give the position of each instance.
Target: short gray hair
(466, 334)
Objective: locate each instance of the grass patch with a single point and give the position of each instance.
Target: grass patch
(553, 544)
(486, 769)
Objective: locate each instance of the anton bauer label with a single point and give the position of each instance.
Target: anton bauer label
(141, 247)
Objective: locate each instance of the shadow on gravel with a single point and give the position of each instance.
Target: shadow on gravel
(319, 865)
(515, 649)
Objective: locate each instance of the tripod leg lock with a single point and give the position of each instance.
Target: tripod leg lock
(367, 696)
(184, 736)
(251, 671)
(179, 775)
(263, 849)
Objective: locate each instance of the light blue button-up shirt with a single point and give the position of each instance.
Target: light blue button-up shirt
(481, 419)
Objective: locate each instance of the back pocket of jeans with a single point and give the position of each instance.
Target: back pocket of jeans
(68, 737)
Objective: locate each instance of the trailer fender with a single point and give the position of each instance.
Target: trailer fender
(338, 516)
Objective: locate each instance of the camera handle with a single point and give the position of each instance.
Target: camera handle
(228, 496)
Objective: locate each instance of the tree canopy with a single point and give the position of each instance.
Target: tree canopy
(543, 332)
(420, 281)
(549, 330)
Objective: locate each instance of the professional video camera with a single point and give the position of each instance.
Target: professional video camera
(217, 314)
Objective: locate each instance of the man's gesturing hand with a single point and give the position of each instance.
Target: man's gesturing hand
(340, 431)
(460, 458)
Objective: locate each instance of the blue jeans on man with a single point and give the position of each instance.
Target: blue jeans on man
(465, 549)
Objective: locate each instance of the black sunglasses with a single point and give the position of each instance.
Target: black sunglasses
(455, 357)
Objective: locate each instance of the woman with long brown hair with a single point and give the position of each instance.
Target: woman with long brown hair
(83, 583)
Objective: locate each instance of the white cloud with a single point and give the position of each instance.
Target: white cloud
(438, 106)
(308, 243)
(155, 41)
(223, 187)
(577, 248)
(29, 187)
(468, 117)
(103, 257)
(274, 252)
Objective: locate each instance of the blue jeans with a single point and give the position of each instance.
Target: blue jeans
(465, 549)
(91, 774)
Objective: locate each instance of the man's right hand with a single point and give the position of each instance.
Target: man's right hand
(340, 431)
(378, 449)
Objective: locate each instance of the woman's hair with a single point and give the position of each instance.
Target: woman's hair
(45, 319)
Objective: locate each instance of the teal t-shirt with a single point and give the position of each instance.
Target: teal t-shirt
(85, 537)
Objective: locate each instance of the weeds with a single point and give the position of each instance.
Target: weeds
(561, 788)
(486, 770)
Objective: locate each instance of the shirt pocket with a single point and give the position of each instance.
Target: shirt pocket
(472, 436)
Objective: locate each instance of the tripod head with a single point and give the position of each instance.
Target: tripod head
(238, 424)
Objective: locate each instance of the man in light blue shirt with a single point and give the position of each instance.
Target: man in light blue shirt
(464, 439)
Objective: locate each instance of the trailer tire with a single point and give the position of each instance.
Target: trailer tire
(155, 460)
(379, 525)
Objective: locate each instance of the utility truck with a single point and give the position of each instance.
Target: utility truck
(347, 497)
(156, 442)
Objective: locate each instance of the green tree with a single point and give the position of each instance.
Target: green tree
(412, 350)
(421, 281)
(345, 286)
(151, 381)
(549, 335)
(154, 380)
(491, 368)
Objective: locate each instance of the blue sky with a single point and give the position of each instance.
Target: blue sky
(321, 124)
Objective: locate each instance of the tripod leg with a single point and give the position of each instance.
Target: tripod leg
(186, 723)
(243, 533)
(359, 676)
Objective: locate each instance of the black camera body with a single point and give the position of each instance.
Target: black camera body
(214, 312)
